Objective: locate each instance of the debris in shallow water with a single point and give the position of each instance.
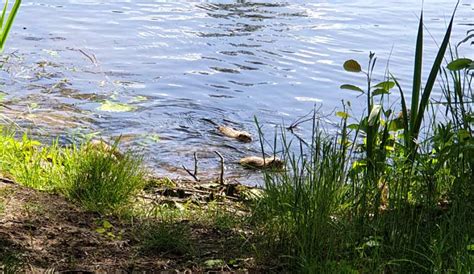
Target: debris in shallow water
(242, 136)
(115, 107)
(138, 99)
(261, 163)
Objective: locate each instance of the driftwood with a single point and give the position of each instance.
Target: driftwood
(262, 163)
(242, 136)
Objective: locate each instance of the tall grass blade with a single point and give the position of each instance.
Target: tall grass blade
(415, 95)
(9, 23)
(2, 19)
(432, 78)
(404, 110)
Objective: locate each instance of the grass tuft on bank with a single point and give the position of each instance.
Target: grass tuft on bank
(94, 176)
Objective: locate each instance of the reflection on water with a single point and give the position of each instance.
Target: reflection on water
(161, 74)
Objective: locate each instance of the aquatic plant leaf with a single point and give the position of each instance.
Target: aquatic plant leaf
(374, 114)
(342, 114)
(153, 137)
(380, 91)
(351, 87)
(353, 126)
(387, 85)
(352, 66)
(459, 64)
(417, 73)
(52, 53)
(138, 99)
(110, 106)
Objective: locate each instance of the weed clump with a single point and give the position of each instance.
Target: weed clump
(164, 238)
(98, 178)
(102, 182)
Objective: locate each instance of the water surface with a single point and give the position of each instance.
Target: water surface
(177, 65)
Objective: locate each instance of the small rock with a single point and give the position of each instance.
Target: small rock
(242, 136)
(261, 163)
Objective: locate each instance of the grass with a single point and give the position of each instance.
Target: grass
(10, 258)
(100, 181)
(7, 22)
(94, 177)
(164, 238)
(298, 205)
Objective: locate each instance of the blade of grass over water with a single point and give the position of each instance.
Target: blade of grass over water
(435, 69)
(5, 29)
(2, 18)
(417, 73)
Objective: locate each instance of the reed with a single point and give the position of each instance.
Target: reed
(6, 22)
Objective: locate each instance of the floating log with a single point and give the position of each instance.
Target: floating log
(261, 163)
(242, 136)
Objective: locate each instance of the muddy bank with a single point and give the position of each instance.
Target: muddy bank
(41, 231)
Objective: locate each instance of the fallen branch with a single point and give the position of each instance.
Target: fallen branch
(7, 181)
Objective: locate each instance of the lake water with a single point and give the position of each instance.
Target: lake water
(177, 65)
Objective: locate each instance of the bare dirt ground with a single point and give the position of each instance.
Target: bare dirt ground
(44, 232)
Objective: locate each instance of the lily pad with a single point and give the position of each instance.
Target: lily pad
(138, 99)
(153, 137)
(111, 106)
(51, 52)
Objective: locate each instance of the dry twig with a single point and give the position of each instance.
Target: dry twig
(193, 174)
(221, 177)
